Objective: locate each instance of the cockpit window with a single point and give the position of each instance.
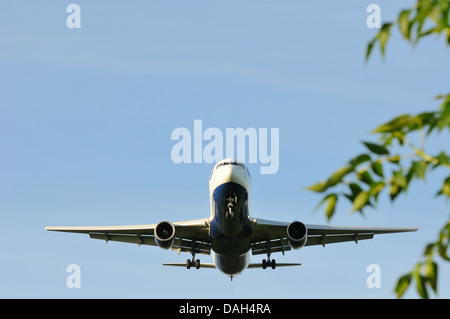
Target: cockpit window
(232, 163)
(229, 163)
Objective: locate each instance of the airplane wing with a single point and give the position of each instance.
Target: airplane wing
(189, 235)
(271, 236)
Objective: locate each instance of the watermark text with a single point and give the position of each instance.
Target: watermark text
(249, 145)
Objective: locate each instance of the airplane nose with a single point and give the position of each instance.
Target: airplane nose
(236, 174)
(228, 172)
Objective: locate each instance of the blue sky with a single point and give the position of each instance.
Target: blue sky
(86, 117)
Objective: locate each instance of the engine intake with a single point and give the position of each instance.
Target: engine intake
(164, 234)
(297, 234)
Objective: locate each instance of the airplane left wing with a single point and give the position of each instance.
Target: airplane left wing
(271, 236)
(188, 236)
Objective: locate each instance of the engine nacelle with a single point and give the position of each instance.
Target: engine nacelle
(297, 234)
(164, 234)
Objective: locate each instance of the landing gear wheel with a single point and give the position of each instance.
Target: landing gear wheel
(197, 264)
(188, 264)
(274, 264)
(264, 264)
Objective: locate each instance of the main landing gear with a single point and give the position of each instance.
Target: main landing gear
(269, 263)
(192, 263)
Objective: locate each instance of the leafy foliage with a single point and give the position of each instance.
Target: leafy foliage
(425, 273)
(390, 166)
(392, 163)
(427, 17)
(381, 168)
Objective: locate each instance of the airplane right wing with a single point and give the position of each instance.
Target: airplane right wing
(272, 236)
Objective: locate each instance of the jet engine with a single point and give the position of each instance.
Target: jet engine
(164, 234)
(297, 234)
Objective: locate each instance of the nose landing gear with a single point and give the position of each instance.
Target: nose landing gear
(232, 200)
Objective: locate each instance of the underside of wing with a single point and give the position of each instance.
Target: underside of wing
(203, 265)
(272, 236)
(322, 234)
(187, 236)
(129, 229)
(260, 266)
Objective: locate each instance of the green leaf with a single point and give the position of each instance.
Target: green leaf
(403, 23)
(376, 188)
(423, 10)
(369, 48)
(360, 201)
(395, 124)
(427, 118)
(443, 159)
(359, 160)
(365, 177)
(444, 242)
(403, 284)
(430, 31)
(323, 200)
(383, 36)
(394, 191)
(420, 283)
(435, 14)
(318, 187)
(399, 179)
(394, 159)
(418, 169)
(376, 148)
(331, 206)
(428, 251)
(446, 188)
(355, 189)
(444, 117)
(335, 179)
(431, 270)
(339, 175)
(377, 168)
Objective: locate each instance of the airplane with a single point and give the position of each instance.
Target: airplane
(230, 234)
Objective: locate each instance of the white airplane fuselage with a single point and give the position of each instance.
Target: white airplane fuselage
(230, 222)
